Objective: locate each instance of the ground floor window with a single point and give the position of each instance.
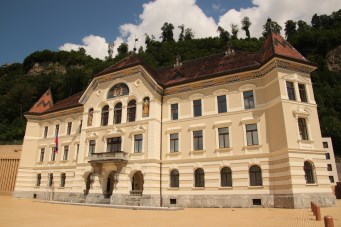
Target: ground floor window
(199, 178)
(174, 178)
(255, 173)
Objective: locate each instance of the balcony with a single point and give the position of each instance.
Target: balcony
(109, 157)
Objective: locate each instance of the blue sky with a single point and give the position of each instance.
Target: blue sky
(31, 25)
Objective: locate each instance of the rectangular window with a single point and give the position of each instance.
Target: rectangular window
(50, 180)
(223, 137)
(197, 108)
(251, 134)
(42, 154)
(331, 179)
(291, 90)
(303, 93)
(222, 106)
(92, 146)
(197, 140)
(69, 127)
(38, 180)
(302, 126)
(174, 142)
(77, 152)
(327, 156)
(174, 111)
(57, 130)
(114, 144)
(329, 167)
(62, 180)
(46, 129)
(80, 126)
(138, 143)
(249, 101)
(53, 154)
(66, 152)
(325, 145)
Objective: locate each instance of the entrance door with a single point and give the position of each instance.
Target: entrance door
(110, 184)
(137, 184)
(87, 184)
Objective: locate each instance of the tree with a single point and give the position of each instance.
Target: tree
(110, 49)
(302, 26)
(122, 50)
(223, 35)
(181, 35)
(290, 29)
(271, 26)
(234, 30)
(189, 34)
(167, 32)
(246, 23)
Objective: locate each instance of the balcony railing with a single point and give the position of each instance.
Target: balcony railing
(103, 157)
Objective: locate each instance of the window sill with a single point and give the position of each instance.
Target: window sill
(51, 162)
(198, 188)
(61, 187)
(252, 147)
(177, 153)
(63, 161)
(137, 154)
(198, 152)
(306, 141)
(255, 187)
(223, 150)
(40, 163)
(311, 185)
(173, 189)
(225, 188)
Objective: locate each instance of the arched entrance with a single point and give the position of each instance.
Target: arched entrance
(110, 185)
(88, 184)
(137, 183)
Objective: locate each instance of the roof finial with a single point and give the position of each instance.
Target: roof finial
(178, 61)
(229, 49)
(136, 40)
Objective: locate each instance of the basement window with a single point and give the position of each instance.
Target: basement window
(172, 201)
(256, 202)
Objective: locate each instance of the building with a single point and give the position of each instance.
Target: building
(9, 163)
(331, 165)
(235, 129)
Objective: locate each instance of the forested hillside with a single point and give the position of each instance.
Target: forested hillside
(21, 84)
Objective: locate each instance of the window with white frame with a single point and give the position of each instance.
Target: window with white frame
(291, 90)
(303, 93)
(69, 127)
(46, 129)
(66, 152)
(174, 178)
(309, 172)
(222, 105)
(62, 180)
(198, 140)
(42, 154)
(50, 180)
(92, 147)
(302, 127)
(226, 177)
(174, 142)
(197, 109)
(53, 154)
(174, 111)
(255, 175)
(251, 134)
(105, 115)
(38, 181)
(118, 113)
(114, 144)
(199, 178)
(138, 143)
(223, 134)
(249, 100)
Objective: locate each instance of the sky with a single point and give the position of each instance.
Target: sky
(34, 25)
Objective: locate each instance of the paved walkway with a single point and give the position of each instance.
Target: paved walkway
(25, 212)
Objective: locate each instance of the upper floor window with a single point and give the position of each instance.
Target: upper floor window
(174, 178)
(199, 178)
(255, 174)
(303, 93)
(57, 130)
(291, 90)
(331, 179)
(226, 177)
(46, 129)
(105, 115)
(66, 152)
(327, 156)
(249, 101)
(174, 142)
(42, 154)
(325, 144)
(90, 116)
(118, 90)
(80, 126)
(222, 106)
(92, 146)
(309, 172)
(53, 154)
(69, 127)
(197, 140)
(138, 143)
(62, 180)
(223, 137)
(131, 111)
(251, 134)
(329, 167)
(302, 126)
(146, 107)
(118, 113)
(114, 144)
(197, 108)
(174, 111)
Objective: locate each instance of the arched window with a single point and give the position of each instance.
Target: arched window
(146, 107)
(199, 178)
(225, 177)
(105, 115)
(118, 90)
(131, 111)
(118, 113)
(90, 116)
(174, 178)
(255, 173)
(62, 179)
(309, 172)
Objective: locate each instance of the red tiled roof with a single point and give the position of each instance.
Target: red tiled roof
(44, 103)
(275, 44)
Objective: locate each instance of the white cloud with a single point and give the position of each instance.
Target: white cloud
(187, 12)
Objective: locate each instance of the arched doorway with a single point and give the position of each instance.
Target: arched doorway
(137, 183)
(110, 185)
(88, 184)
